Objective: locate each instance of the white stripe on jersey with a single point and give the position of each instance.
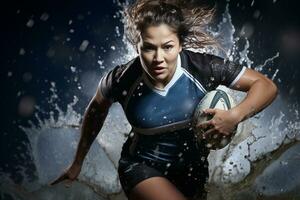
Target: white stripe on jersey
(165, 128)
(197, 83)
(238, 77)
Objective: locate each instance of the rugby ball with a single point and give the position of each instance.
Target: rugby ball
(214, 99)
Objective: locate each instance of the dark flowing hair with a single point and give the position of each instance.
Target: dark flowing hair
(186, 21)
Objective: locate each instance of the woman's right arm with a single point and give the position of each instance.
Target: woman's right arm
(93, 119)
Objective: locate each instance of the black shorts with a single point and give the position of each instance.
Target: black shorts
(189, 176)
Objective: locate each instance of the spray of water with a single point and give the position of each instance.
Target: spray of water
(241, 169)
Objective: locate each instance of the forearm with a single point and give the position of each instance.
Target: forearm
(259, 96)
(92, 122)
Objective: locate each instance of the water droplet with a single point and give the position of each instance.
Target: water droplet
(44, 17)
(27, 77)
(73, 69)
(30, 23)
(26, 106)
(22, 51)
(84, 45)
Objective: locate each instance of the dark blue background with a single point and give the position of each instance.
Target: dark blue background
(93, 21)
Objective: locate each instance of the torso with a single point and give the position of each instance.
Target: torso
(152, 111)
(161, 119)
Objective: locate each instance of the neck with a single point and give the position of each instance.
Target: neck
(161, 84)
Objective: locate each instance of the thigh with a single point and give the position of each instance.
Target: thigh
(132, 172)
(190, 179)
(155, 188)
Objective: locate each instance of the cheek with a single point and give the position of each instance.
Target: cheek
(146, 56)
(147, 61)
(171, 58)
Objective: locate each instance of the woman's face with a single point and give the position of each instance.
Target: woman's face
(158, 49)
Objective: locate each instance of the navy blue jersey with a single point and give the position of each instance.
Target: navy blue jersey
(152, 111)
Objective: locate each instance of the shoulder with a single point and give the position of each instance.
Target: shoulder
(126, 70)
(120, 79)
(199, 60)
(210, 70)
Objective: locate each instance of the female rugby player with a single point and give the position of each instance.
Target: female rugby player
(158, 91)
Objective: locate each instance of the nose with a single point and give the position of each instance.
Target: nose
(158, 57)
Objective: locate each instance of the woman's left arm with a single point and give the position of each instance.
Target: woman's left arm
(261, 91)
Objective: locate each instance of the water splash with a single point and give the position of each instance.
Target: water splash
(241, 169)
(260, 67)
(53, 143)
(233, 171)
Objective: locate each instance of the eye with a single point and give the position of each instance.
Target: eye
(147, 48)
(168, 47)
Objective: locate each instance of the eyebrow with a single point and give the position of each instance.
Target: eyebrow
(148, 43)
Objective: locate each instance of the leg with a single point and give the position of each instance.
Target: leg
(155, 188)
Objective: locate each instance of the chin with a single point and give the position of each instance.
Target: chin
(160, 77)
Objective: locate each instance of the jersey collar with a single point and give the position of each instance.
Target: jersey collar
(176, 76)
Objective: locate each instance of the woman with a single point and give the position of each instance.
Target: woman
(158, 91)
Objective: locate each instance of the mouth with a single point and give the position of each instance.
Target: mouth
(158, 69)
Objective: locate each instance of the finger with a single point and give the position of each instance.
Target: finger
(59, 179)
(205, 124)
(210, 111)
(209, 115)
(208, 133)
